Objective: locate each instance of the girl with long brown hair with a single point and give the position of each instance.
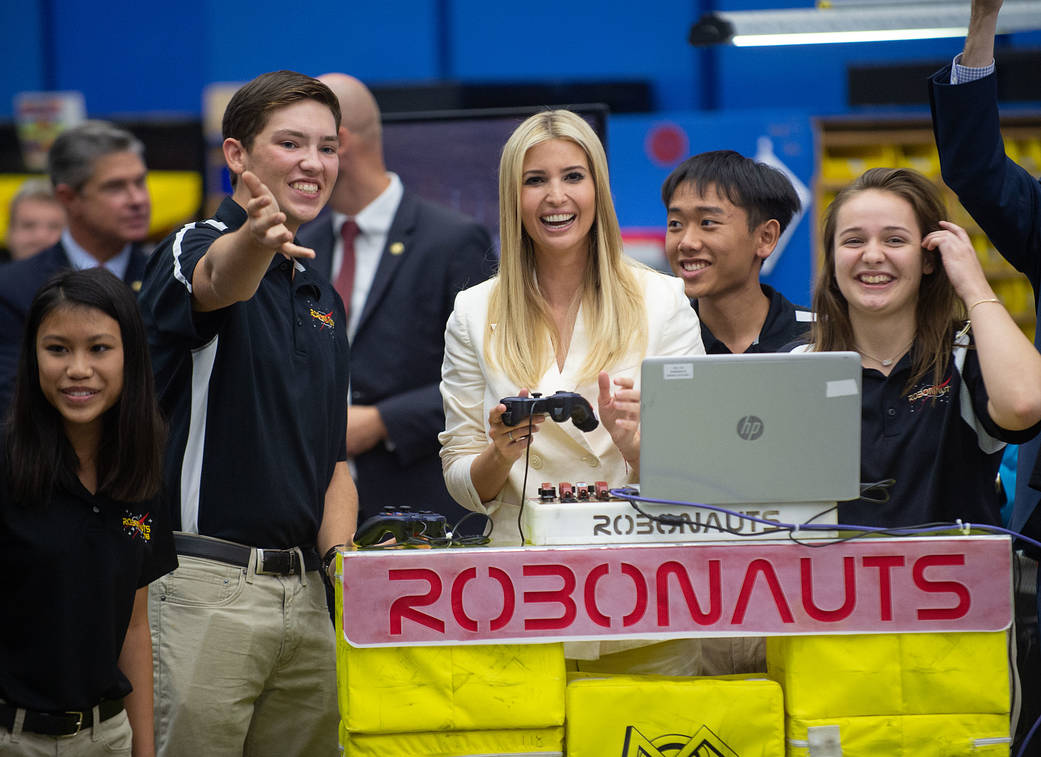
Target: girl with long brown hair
(948, 376)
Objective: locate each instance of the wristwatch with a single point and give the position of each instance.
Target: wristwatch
(329, 557)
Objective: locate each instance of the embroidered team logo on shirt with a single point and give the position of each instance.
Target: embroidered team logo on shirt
(923, 396)
(326, 319)
(137, 526)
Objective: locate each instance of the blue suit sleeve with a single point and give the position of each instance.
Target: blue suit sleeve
(1000, 195)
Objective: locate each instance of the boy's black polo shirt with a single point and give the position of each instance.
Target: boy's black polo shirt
(255, 393)
(785, 323)
(921, 439)
(72, 567)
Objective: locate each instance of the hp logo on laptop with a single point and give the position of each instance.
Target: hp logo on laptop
(750, 428)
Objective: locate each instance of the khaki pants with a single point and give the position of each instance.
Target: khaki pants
(676, 657)
(244, 664)
(111, 737)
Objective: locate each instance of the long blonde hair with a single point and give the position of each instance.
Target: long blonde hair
(611, 297)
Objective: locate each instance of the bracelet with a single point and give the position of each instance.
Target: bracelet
(980, 302)
(329, 556)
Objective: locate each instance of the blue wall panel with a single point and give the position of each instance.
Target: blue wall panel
(637, 172)
(579, 40)
(378, 42)
(130, 57)
(21, 51)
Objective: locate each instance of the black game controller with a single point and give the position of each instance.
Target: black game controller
(559, 407)
(406, 525)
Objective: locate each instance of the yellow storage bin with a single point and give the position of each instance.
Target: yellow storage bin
(846, 162)
(958, 735)
(984, 251)
(1030, 155)
(891, 674)
(1016, 294)
(652, 716)
(447, 688)
(535, 742)
(922, 158)
(463, 688)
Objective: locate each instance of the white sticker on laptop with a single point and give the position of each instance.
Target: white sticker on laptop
(840, 388)
(672, 371)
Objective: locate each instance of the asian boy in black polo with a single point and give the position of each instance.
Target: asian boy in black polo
(726, 213)
(251, 358)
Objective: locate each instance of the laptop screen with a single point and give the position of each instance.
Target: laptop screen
(738, 429)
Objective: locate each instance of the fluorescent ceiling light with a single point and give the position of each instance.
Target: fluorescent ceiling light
(820, 38)
(855, 21)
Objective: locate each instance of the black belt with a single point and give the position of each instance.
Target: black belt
(59, 723)
(270, 562)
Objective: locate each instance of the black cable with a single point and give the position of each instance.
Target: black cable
(631, 496)
(882, 486)
(524, 485)
(861, 534)
(675, 521)
(472, 540)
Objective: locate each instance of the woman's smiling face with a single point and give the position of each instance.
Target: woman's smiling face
(558, 197)
(879, 261)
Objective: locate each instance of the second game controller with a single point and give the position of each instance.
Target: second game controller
(406, 525)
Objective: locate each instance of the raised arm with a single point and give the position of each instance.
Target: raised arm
(232, 268)
(1002, 197)
(1010, 365)
(979, 42)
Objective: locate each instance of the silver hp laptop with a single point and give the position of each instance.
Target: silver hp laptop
(739, 429)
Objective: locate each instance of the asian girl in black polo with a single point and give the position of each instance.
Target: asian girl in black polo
(81, 530)
(948, 377)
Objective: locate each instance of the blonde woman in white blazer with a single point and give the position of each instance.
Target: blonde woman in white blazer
(566, 312)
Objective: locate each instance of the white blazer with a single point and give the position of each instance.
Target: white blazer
(560, 452)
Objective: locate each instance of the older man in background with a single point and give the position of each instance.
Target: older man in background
(35, 220)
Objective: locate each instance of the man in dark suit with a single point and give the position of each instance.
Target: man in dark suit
(410, 258)
(1005, 201)
(98, 172)
(1000, 195)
